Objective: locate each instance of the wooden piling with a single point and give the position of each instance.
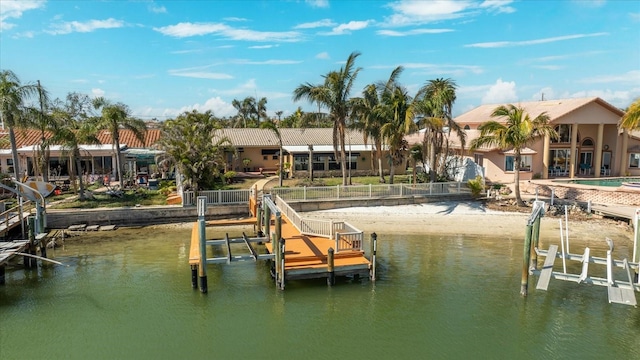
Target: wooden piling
(535, 239)
(194, 276)
(524, 282)
(374, 246)
(202, 227)
(331, 279)
(32, 242)
(282, 267)
(259, 220)
(276, 250)
(2, 274)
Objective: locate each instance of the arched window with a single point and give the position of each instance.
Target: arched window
(588, 142)
(467, 127)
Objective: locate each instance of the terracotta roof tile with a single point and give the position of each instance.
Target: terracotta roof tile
(28, 137)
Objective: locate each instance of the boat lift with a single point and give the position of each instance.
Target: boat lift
(619, 291)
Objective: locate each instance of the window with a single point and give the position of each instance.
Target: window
(467, 127)
(10, 166)
(301, 162)
(634, 160)
(587, 142)
(564, 134)
(525, 163)
(318, 162)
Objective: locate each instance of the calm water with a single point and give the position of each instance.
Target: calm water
(436, 297)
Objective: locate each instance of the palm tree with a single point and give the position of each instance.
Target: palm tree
(12, 97)
(334, 95)
(71, 139)
(114, 117)
(42, 119)
(631, 118)
(433, 109)
(271, 126)
(367, 120)
(518, 131)
(399, 124)
(261, 110)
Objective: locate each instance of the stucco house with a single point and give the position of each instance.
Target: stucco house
(590, 144)
(97, 160)
(258, 150)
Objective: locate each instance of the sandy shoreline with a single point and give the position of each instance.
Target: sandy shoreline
(469, 218)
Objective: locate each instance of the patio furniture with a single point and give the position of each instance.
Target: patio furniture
(605, 171)
(585, 169)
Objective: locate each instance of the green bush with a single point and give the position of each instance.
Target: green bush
(476, 186)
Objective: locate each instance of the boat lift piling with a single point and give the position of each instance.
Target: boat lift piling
(529, 242)
(202, 231)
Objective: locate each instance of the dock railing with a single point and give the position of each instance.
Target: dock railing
(217, 197)
(369, 191)
(347, 236)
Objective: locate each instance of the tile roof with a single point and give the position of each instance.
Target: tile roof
(554, 108)
(29, 137)
(290, 136)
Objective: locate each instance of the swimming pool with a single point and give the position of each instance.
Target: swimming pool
(609, 182)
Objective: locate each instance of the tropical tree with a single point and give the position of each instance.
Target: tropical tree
(114, 117)
(41, 119)
(191, 140)
(517, 131)
(366, 118)
(334, 95)
(432, 109)
(395, 109)
(271, 126)
(13, 95)
(631, 118)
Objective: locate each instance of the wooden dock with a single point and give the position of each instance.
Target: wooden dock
(305, 256)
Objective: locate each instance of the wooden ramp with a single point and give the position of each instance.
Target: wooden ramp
(231, 222)
(306, 256)
(547, 268)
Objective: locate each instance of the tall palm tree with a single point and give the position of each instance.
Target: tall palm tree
(433, 109)
(114, 117)
(41, 119)
(261, 110)
(12, 97)
(334, 95)
(631, 118)
(517, 132)
(399, 124)
(366, 119)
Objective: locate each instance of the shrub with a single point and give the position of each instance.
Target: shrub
(476, 186)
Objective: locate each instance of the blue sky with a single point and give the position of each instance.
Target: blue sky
(165, 57)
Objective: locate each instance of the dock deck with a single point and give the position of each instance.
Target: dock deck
(9, 249)
(305, 255)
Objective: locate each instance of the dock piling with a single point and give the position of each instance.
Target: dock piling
(202, 232)
(32, 243)
(2, 274)
(374, 246)
(194, 276)
(524, 282)
(331, 279)
(282, 267)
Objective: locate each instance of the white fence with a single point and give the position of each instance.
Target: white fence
(218, 197)
(370, 191)
(347, 237)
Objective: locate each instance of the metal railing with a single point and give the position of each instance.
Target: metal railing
(370, 191)
(218, 197)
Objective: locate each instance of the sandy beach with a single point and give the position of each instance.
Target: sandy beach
(470, 218)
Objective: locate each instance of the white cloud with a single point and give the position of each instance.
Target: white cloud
(438, 69)
(412, 32)
(182, 30)
(348, 27)
(84, 27)
(216, 104)
(635, 16)
(409, 12)
(265, 62)
(632, 76)
(318, 3)
(619, 98)
(547, 92)
(499, 6)
(262, 46)
(96, 92)
(323, 55)
(157, 9)
(499, 44)
(316, 24)
(233, 18)
(14, 8)
(549, 67)
(500, 92)
(201, 75)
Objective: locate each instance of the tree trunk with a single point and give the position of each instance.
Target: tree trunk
(14, 153)
(392, 171)
(79, 169)
(432, 158)
(280, 165)
(516, 175)
(380, 170)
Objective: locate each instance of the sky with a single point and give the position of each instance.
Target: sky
(162, 58)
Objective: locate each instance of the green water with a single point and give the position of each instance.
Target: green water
(129, 296)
